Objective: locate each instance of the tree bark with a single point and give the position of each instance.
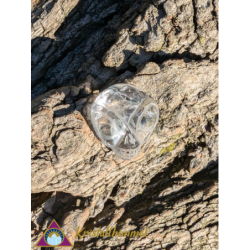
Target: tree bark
(167, 48)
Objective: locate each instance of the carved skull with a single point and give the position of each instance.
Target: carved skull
(123, 118)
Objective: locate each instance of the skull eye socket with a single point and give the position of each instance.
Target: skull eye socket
(106, 129)
(105, 125)
(143, 122)
(149, 118)
(146, 122)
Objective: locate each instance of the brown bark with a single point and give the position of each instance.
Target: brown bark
(168, 48)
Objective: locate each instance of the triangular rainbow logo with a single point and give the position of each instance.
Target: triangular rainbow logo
(53, 237)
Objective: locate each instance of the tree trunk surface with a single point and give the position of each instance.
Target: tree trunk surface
(167, 48)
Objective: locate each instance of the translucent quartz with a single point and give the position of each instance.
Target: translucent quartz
(123, 118)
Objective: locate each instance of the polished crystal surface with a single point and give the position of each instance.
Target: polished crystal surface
(123, 118)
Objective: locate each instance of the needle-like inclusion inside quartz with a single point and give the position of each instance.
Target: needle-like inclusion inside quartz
(123, 118)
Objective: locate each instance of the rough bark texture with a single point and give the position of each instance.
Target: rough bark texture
(167, 48)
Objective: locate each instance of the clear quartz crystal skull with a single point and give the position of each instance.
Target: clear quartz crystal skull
(123, 118)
